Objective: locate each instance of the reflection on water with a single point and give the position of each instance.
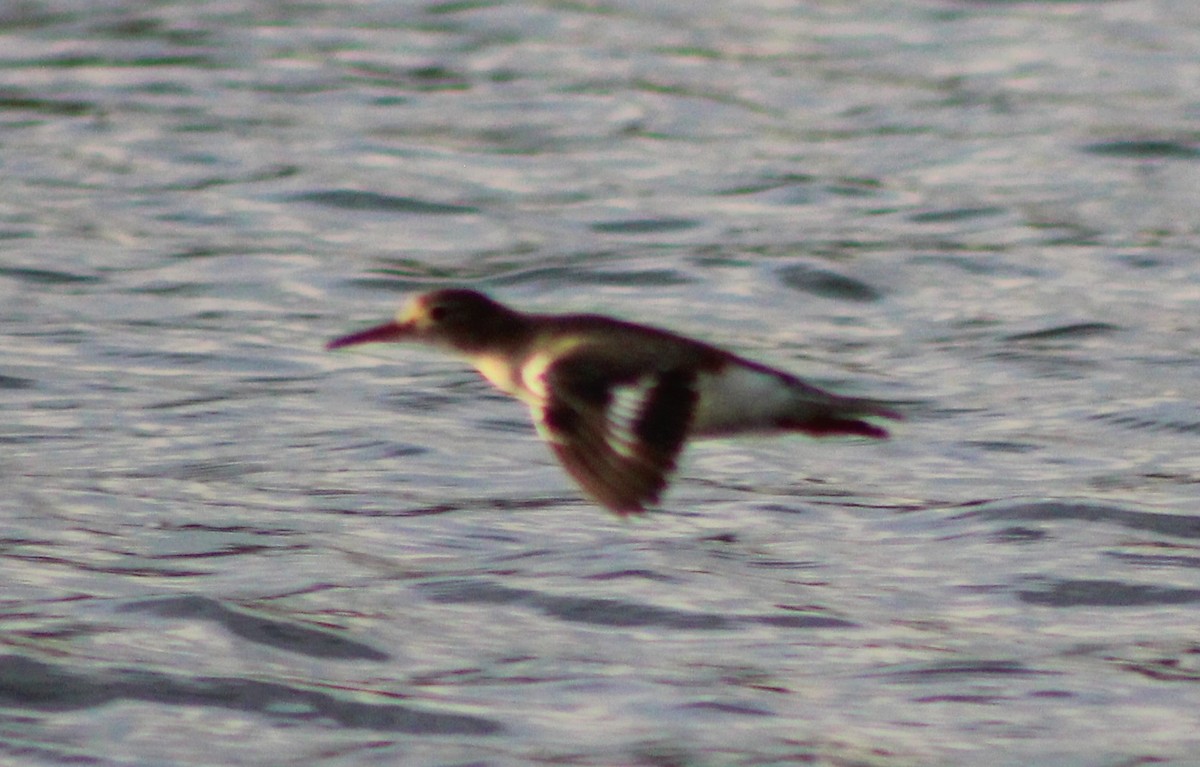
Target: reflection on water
(222, 545)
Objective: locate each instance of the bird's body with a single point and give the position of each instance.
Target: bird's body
(615, 400)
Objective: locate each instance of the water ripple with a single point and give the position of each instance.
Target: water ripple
(29, 684)
(1172, 525)
(260, 629)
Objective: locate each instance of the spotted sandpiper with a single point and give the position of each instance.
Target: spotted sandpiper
(617, 401)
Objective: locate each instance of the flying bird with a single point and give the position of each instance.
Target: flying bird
(617, 401)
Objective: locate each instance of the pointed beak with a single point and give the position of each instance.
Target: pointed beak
(389, 331)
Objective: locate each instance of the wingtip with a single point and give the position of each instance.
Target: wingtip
(627, 509)
(626, 515)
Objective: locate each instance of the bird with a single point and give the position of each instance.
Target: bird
(618, 401)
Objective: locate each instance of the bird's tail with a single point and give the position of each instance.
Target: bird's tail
(842, 416)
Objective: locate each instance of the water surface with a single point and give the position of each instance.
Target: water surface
(223, 545)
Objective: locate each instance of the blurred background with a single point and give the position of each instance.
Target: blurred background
(221, 544)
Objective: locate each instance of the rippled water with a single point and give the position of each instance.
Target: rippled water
(223, 545)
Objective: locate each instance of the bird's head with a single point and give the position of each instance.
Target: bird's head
(455, 318)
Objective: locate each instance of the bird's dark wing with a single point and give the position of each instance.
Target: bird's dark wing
(618, 436)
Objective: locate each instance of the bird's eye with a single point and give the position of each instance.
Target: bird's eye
(437, 313)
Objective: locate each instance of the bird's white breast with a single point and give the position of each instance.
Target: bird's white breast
(525, 380)
(533, 370)
(533, 374)
(498, 370)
